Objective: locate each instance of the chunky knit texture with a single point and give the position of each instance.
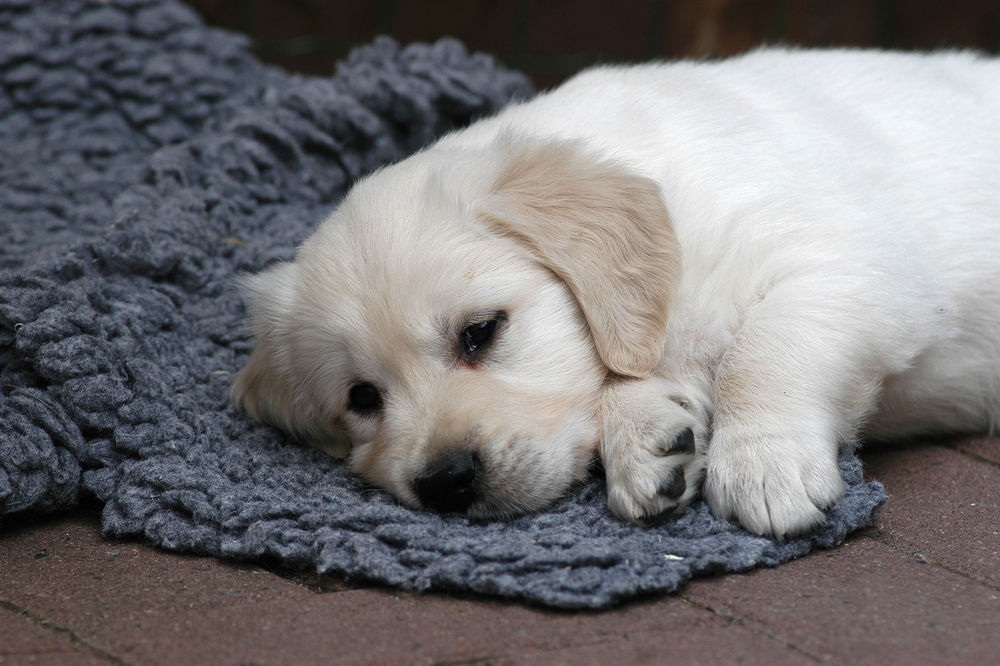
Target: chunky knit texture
(145, 161)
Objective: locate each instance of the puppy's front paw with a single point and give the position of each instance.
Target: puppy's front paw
(773, 485)
(654, 478)
(652, 450)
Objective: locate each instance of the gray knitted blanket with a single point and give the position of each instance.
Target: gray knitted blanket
(145, 160)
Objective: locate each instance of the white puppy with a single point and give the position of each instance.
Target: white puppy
(712, 273)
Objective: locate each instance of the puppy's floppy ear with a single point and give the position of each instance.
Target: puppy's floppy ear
(266, 386)
(605, 232)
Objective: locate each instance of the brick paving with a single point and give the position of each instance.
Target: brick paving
(549, 41)
(923, 587)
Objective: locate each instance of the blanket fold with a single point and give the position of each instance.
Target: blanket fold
(145, 161)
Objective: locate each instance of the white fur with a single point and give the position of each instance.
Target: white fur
(838, 219)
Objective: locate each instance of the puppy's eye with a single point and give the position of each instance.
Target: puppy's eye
(364, 398)
(478, 336)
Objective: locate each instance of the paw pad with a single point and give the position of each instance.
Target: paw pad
(683, 443)
(674, 485)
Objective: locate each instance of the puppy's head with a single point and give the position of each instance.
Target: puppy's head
(450, 326)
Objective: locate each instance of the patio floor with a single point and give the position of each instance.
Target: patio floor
(923, 587)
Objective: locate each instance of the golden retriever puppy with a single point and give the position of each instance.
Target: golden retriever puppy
(710, 273)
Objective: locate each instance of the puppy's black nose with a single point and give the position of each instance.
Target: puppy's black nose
(448, 483)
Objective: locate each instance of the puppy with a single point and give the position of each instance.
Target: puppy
(711, 273)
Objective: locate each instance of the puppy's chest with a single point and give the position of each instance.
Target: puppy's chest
(696, 341)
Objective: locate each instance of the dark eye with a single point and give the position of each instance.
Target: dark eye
(364, 398)
(478, 336)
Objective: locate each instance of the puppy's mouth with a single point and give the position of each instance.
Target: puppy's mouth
(465, 482)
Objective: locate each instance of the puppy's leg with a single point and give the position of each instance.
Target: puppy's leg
(797, 381)
(652, 447)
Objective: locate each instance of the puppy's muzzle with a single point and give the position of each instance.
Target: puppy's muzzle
(450, 482)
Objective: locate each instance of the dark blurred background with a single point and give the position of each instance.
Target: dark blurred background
(551, 39)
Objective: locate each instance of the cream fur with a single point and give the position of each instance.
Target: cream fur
(778, 251)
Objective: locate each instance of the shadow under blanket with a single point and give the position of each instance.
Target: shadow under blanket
(146, 160)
